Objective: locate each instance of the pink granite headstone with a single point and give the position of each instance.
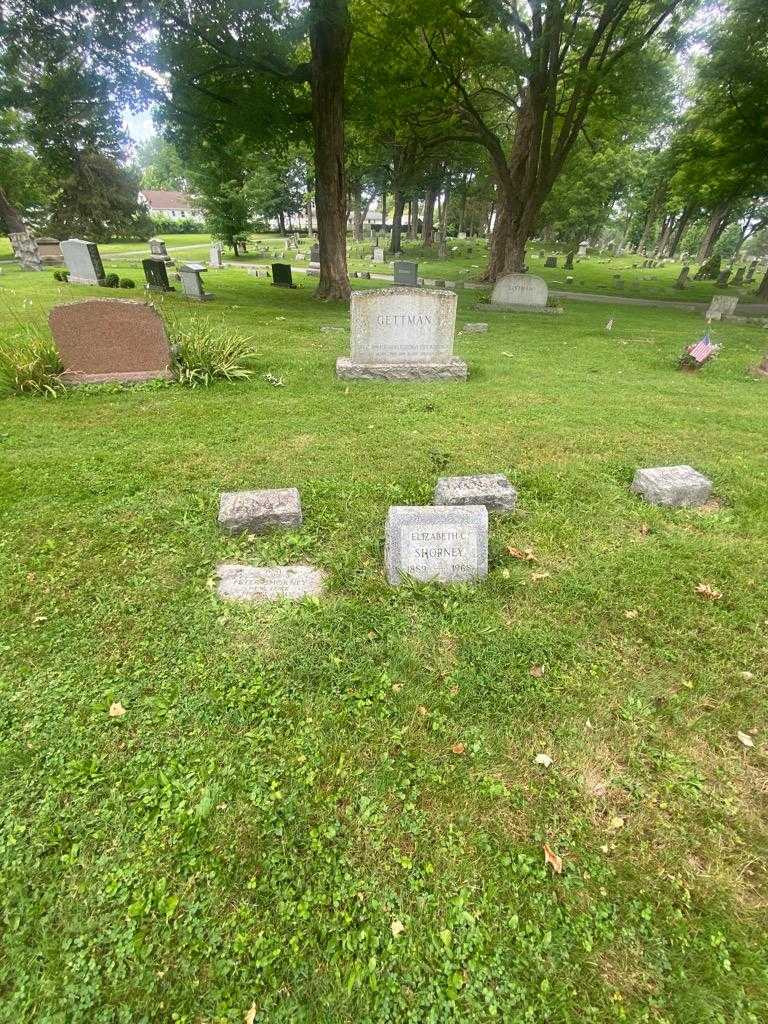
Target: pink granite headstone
(110, 340)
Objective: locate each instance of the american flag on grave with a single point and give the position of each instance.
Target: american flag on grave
(702, 350)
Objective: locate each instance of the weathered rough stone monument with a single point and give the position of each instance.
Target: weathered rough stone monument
(436, 543)
(24, 249)
(674, 486)
(103, 340)
(83, 261)
(682, 278)
(520, 293)
(402, 334)
(192, 283)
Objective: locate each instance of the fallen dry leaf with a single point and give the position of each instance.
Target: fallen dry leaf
(524, 554)
(536, 576)
(397, 928)
(708, 592)
(458, 748)
(116, 710)
(645, 530)
(397, 687)
(537, 671)
(615, 823)
(551, 858)
(250, 1017)
(422, 710)
(631, 613)
(745, 739)
(747, 676)
(543, 759)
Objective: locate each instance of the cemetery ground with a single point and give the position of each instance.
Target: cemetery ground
(336, 810)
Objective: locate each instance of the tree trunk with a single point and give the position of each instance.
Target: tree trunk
(442, 251)
(357, 211)
(762, 291)
(22, 242)
(715, 228)
(383, 211)
(397, 221)
(679, 231)
(498, 246)
(463, 205)
(330, 33)
(281, 222)
(308, 215)
(428, 231)
(413, 227)
(666, 230)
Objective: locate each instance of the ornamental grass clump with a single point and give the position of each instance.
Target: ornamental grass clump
(30, 365)
(204, 352)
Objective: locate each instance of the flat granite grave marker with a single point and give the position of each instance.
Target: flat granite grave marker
(490, 489)
(402, 334)
(102, 340)
(156, 273)
(477, 328)
(406, 273)
(436, 543)
(720, 306)
(259, 511)
(269, 582)
(673, 486)
(520, 293)
(83, 261)
(282, 276)
(192, 283)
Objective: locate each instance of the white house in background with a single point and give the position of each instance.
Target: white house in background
(176, 205)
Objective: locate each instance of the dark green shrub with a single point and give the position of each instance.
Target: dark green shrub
(127, 282)
(112, 281)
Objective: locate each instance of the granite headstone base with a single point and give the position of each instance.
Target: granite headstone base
(268, 583)
(454, 369)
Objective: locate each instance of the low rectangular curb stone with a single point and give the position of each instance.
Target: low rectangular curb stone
(479, 328)
(672, 486)
(259, 511)
(490, 489)
(268, 583)
(436, 543)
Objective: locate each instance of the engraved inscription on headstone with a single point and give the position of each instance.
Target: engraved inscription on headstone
(402, 334)
(521, 293)
(440, 543)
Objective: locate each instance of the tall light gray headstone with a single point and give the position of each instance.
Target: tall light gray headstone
(402, 334)
(440, 543)
(215, 260)
(83, 261)
(192, 283)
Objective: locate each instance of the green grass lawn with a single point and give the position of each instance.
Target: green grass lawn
(282, 792)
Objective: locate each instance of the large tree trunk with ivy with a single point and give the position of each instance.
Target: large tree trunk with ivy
(330, 33)
(23, 243)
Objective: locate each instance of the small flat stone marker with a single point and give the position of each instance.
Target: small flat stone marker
(674, 486)
(259, 511)
(475, 328)
(492, 490)
(268, 583)
(436, 543)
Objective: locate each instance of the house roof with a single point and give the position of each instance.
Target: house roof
(160, 199)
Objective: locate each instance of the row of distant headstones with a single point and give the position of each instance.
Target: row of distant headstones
(446, 542)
